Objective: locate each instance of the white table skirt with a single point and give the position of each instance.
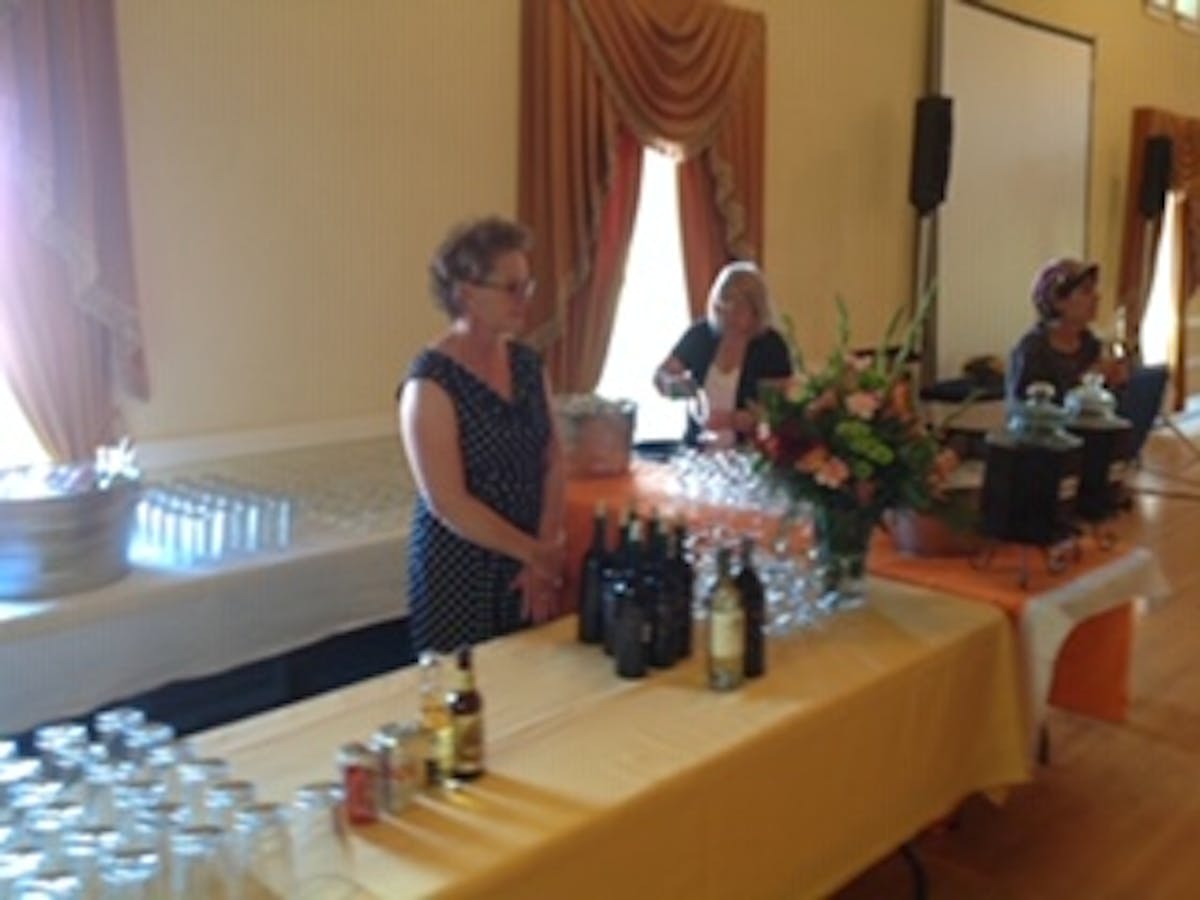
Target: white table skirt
(1049, 618)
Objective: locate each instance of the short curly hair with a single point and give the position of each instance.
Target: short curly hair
(468, 253)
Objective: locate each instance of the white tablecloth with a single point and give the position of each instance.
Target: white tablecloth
(1048, 619)
(345, 569)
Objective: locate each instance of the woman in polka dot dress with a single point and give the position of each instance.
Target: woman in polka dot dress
(486, 549)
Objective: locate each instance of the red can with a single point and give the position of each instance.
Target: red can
(361, 779)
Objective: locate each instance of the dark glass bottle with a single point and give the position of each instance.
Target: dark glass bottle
(754, 604)
(631, 625)
(614, 581)
(591, 581)
(465, 705)
(658, 601)
(683, 579)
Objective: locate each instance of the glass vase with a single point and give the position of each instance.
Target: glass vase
(841, 538)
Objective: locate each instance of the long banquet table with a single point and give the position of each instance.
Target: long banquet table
(345, 569)
(859, 735)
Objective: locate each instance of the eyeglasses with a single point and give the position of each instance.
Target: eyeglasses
(521, 289)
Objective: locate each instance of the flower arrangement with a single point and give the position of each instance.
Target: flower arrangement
(847, 439)
(848, 435)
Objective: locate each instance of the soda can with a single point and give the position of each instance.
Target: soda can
(359, 768)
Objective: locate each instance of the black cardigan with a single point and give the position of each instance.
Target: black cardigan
(767, 357)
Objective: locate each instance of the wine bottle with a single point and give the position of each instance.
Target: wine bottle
(658, 601)
(631, 626)
(613, 579)
(465, 705)
(436, 732)
(754, 604)
(726, 630)
(591, 583)
(684, 584)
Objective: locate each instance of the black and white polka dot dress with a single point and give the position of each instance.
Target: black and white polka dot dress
(458, 591)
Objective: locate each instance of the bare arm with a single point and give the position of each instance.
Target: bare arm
(429, 428)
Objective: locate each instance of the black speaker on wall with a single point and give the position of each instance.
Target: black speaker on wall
(1156, 176)
(932, 133)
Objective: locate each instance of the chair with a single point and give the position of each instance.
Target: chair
(1141, 401)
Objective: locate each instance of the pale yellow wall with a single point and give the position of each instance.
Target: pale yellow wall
(294, 161)
(841, 82)
(1141, 60)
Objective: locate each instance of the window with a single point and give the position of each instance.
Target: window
(652, 311)
(1159, 334)
(1185, 12)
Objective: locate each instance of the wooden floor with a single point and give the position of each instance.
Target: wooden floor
(1116, 813)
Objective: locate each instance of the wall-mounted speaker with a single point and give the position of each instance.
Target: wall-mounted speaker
(1156, 176)
(932, 134)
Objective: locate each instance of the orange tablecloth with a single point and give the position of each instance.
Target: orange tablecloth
(1091, 669)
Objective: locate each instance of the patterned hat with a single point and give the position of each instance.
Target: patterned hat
(1057, 279)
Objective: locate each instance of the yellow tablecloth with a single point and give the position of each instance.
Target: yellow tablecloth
(859, 735)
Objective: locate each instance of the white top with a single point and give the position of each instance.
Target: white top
(721, 388)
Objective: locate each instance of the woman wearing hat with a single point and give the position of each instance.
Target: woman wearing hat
(1061, 346)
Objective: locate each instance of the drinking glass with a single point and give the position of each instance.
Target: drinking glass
(8, 749)
(111, 726)
(223, 800)
(131, 798)
(131, 873)
(49, 884)
(141, 739)
(264, 850)
(16, 863)
(84, 849)
(324, 866)
(195, 776)
(200, 864)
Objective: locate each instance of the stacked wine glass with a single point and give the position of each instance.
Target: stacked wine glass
(732, 499)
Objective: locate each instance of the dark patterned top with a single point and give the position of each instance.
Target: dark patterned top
(1035, 359)
(458, 591)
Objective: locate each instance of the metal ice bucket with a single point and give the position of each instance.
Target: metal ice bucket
(597, 434)
(63, 529)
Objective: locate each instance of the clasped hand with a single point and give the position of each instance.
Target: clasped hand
(540, 580)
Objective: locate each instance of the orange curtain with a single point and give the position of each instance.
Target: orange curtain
(682, 75)
(1185, 176)
(69, 329)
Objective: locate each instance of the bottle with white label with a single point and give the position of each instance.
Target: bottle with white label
(726, 630)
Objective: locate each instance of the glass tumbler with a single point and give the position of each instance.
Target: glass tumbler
(131, 873)
(195, 776)
(223, 800)
(324, 865)
(84, 849)
(200, 865)
(111, 726)
(264, 851)
(49, 884)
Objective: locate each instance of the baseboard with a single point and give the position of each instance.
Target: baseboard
(172, 452)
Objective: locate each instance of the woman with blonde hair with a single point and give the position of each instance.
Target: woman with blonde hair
(730, 353)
